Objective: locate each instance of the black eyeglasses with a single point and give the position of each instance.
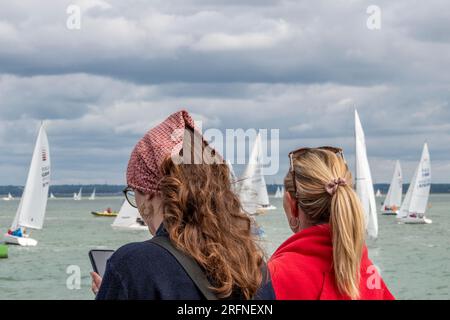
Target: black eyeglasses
(299, 152)
(130, 195)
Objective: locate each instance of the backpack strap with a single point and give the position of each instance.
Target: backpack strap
(191, 267)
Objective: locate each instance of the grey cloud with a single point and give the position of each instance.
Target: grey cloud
(297, 66)
(154, 44)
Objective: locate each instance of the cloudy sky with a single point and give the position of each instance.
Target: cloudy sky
(298, 66)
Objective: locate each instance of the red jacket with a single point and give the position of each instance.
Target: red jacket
(302, 269)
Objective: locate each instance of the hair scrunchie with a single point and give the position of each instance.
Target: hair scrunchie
(333, 185)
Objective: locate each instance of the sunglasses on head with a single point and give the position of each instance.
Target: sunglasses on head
(297, 153)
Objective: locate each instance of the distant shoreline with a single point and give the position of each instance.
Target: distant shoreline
(116, 190)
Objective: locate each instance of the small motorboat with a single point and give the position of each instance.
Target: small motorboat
(107, 213)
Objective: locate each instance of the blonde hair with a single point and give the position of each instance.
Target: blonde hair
(314, 169)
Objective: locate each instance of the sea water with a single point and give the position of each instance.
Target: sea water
(414, 259)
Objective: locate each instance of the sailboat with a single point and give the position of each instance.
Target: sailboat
(9, 197)
(256, 229)
(52, 196)
(129, 219)
(78, 196)
(279, 193)
(92, 197)
(233, 179)
(253, 189)
(31, 211)
(364, 184)
(393, 201)
(416, 200)
(378, 194)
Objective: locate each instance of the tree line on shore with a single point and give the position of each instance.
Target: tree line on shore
(105, 189)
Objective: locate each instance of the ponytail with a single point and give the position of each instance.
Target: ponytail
(348, 232)
(325, 194)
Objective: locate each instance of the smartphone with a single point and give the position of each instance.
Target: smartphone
(98, 260)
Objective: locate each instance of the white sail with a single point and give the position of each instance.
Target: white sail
(233, 179)
(232, 174)
(32, 207)
(364, 184)
(92, 197)
(416, 202)
(52, 196)
(78, 196)
(128, 218)
(404, 210)
(279, 193)
(253, 190)
(394, 196)
(379, 194)
(9, 197)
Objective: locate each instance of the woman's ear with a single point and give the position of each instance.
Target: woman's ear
(292, 204)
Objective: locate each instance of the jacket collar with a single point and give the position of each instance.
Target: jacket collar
(161, 231)
(315, 242)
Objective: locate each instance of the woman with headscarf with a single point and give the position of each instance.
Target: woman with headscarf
(182, 190)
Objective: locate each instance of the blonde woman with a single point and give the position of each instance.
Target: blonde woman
(326, 258)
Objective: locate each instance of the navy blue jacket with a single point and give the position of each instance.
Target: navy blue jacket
(146, 271)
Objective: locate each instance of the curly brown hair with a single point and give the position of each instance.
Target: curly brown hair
(205, 220)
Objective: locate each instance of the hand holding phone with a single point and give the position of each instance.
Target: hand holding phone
(96, 282)
(99, 258)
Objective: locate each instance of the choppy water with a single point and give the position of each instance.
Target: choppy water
(414, 260)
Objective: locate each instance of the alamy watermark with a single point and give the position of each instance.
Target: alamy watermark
(73, 21)
(374, 278)
(235, 146)
(73, 281)
(374, 20)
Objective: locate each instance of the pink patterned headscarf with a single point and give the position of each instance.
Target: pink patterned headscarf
(162, 141)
